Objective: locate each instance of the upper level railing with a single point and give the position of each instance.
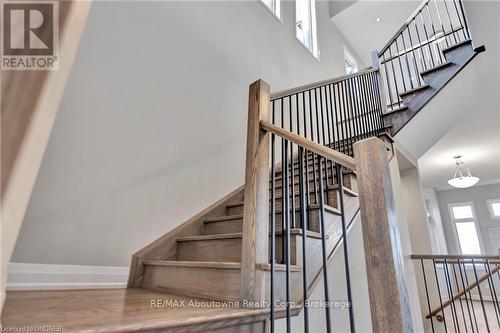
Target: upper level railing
(335, 113)
(462, 292)
(418, 45)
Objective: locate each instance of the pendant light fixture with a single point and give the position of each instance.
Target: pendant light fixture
(462, 177)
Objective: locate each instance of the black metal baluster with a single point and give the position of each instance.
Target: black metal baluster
(357, 111)
(316, 201)
(318, 140)
(307, 164)
(335, 116)
(465, 18)
(459, 19)
(292, 166)
(324, 253)
(465, 295)
(369, 111)
(439, 294)
(470, 297)
(428, 42)
(407, 61)
(329, 125)
(323, 131)
(284, 168)
(451, 23)
(480, 295)
(304, 222)
(416, 71)
(273, 224)
(441, 23)
(387, 82)
(378, 100)
(493, 293)
(459, 299)
(454, 316)
(436, 44)
(399, 56)
(286, 239)
(340, 182)
(370, 105)
(349, 116)
(420, 46)
(427, 294)
(345, 134)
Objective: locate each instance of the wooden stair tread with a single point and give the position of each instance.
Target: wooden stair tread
(435, 68)
(328, 208)
(452, 47)
(223, 218)
(394, 110)
(347, 190)
(293, 231)
(185, 263)
(209, 237)
(411, 91)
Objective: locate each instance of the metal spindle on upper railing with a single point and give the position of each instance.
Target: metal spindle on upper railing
(418, 46)
(461, 291)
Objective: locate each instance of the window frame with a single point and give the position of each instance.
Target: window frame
(473, 219)
(278, 14)
(490, 203)
(314, 28)
(348, 58)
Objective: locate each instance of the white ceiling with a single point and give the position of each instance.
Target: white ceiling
(358, 23)
(477, 135)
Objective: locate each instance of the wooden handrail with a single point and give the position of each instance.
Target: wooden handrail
(455, 256)
(309, 86)
(403, 27)
(462, 293)
(324, 151)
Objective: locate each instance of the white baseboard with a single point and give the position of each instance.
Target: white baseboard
(23, 276)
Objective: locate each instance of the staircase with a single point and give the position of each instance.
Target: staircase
(317, 163)
(204, 254)
(271, 238)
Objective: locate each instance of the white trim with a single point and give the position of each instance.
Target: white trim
(313, 17)
(454, 221)
(490, 203)
(276, 15)
(25, 276)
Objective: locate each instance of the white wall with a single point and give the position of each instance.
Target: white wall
(489, 228)
(438, 239)
(152, 125)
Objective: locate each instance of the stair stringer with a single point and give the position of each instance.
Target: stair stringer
(165, 247)
(458, 57)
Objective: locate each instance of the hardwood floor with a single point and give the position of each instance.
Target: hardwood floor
(477, 316)
(124, 310)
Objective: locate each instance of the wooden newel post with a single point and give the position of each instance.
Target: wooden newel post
(256, 209)
(388, 296)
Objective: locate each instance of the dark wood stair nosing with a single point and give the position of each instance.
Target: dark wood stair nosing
(411, 91)
(457, 45)
(194, 264)
(436, 68)
(395, 110)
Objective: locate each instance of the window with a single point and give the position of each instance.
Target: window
(274, 6)
(494, 208)
(305, 25)
(464, 221)
(350, 64)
